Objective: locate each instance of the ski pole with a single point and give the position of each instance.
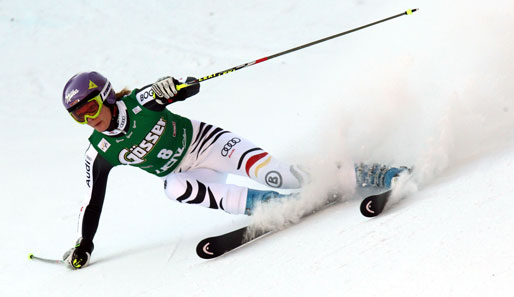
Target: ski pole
(52, 261)
(184, 85)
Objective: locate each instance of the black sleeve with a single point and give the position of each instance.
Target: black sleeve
(97, 171)
(182, 95)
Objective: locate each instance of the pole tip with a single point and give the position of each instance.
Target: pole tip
(410, 11)
(31, 256)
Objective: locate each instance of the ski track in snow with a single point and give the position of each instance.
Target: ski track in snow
(432, 90)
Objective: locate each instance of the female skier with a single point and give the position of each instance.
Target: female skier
(193, 158)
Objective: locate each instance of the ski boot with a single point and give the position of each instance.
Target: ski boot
(255, 196)
(377, 175)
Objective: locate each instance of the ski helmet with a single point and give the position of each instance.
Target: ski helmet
(84, 86)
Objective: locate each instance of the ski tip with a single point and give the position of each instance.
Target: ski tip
(373, 205)
(368, 209)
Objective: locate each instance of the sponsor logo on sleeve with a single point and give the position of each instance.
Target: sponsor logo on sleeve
(144, 96)
(88, 172)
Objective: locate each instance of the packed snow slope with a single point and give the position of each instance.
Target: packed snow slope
(433, 90)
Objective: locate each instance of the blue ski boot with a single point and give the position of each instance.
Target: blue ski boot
(377, 175)
(255, 196)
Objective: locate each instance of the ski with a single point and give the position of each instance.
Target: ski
(216, 246)
(373, 205)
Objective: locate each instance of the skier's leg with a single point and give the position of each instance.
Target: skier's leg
(228, 152)
(225, 152)
(207, 188)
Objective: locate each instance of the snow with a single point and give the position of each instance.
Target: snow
(431, 90)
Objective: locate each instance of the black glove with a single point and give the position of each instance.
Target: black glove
(78, 257)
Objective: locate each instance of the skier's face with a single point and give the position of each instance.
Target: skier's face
(102, 122)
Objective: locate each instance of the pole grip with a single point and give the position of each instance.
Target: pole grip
(181, 86)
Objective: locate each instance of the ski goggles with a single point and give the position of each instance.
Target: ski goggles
(89, 110)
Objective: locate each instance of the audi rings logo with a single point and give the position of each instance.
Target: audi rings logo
(229, 145)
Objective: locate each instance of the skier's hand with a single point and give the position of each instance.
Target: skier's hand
(164, 88)
(78, 257)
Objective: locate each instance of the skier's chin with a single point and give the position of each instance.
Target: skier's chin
(100, 126)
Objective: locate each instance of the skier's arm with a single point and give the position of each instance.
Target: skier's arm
(163, 93)
(97, 171)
